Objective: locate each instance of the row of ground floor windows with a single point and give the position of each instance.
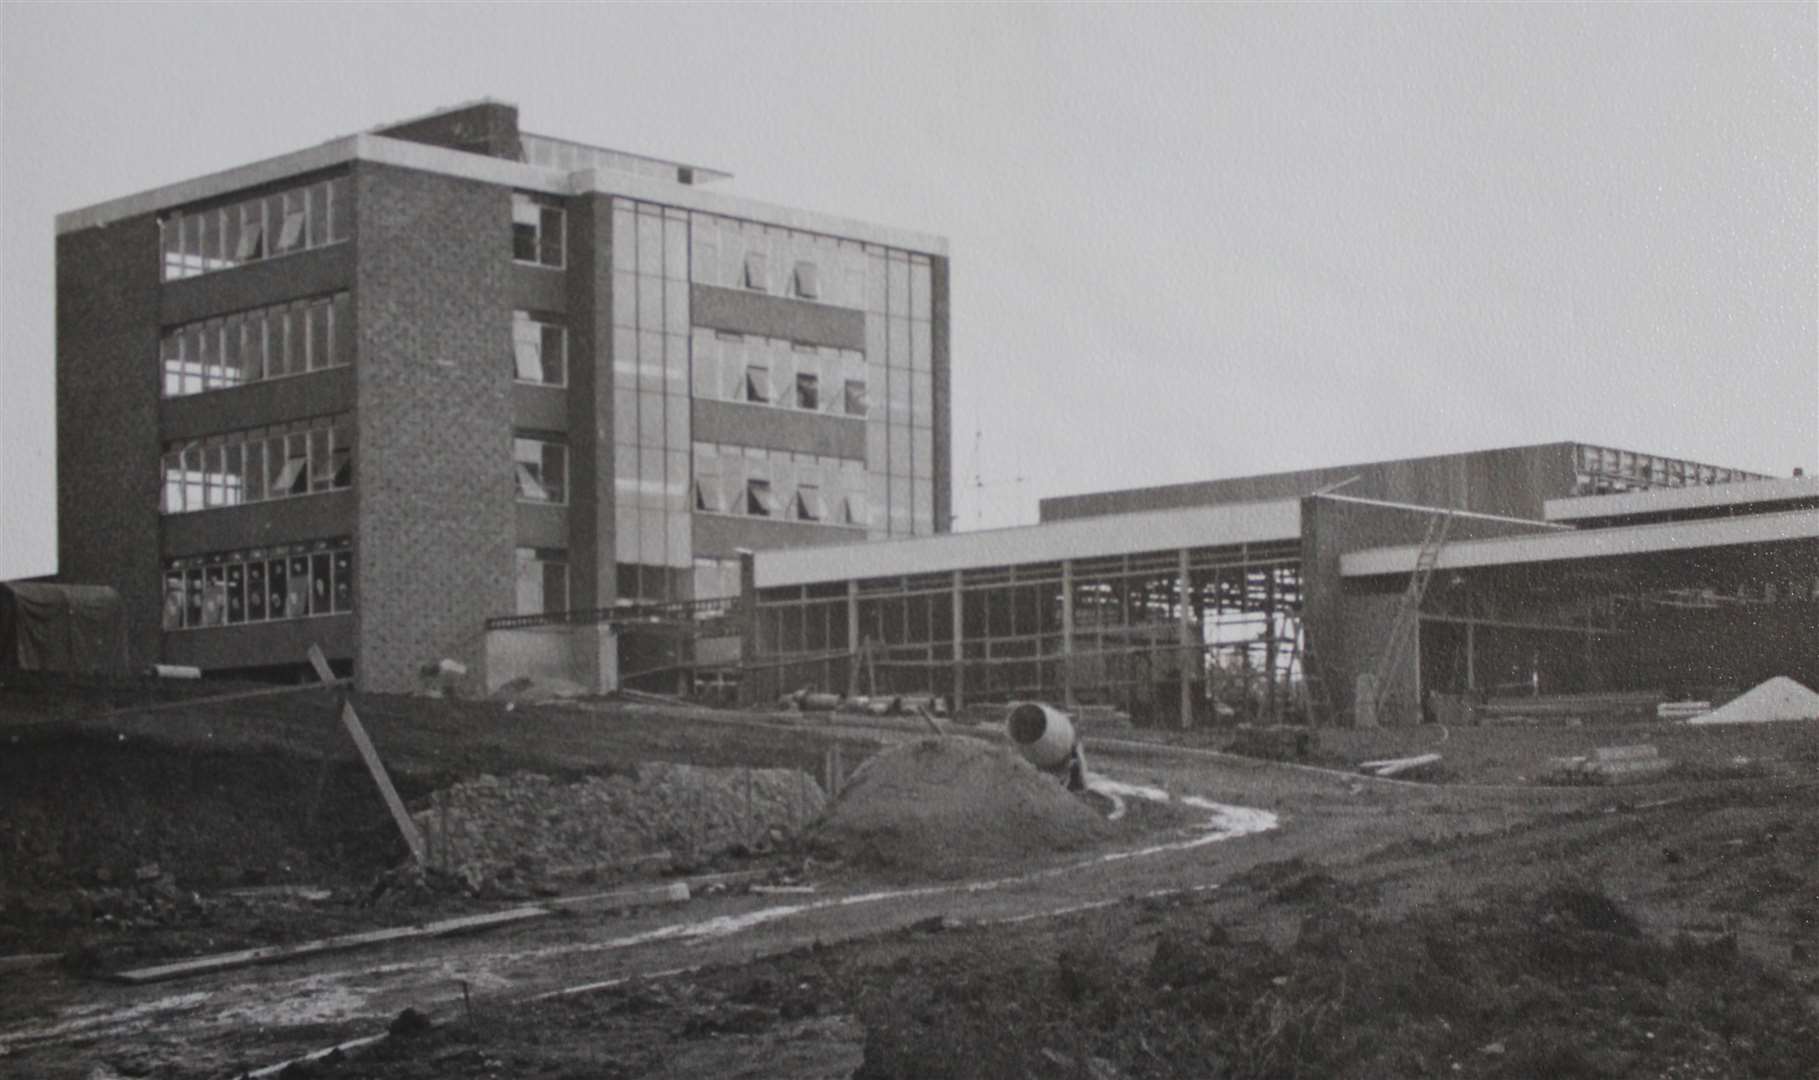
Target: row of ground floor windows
(288, 581)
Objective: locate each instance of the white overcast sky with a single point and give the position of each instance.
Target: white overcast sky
(1187, 241)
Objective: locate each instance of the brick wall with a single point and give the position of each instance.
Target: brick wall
(434, 455)
(592, 582)
(107, 418)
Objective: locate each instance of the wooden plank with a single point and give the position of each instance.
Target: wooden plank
(1395, 765)
(320, 663)
(1626, 753)
(218, 699)
(700, 882)
(315, 1055)
(1633, 765)
(619, 899)
(24, 961)
(413, 837)
(273, 954)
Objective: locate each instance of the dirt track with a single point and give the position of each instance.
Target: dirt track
(209, 1026)
(1725, 861)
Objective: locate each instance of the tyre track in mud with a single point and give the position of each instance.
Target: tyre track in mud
(221, 1024)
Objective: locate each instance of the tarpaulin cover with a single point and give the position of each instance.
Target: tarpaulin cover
(62, 628)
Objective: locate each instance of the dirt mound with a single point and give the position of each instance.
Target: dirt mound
(947, 807)
(1780, 698)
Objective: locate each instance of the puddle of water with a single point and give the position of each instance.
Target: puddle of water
(84, 1018)
(326, 1001)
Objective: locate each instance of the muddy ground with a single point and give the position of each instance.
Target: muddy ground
(134, 836)
(1508, 930)
(1635, 943)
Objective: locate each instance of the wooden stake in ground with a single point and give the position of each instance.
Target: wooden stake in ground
(412, 838)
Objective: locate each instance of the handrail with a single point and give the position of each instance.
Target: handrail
(674, 610)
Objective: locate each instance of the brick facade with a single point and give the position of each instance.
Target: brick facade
(434, 435)
(107, 418)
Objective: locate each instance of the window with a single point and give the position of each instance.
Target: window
(807, 281)
(855, 509)
(708, 498)
(808, 504)
(259, 464)
(542, 469)
(758, 384)
(540, 350)
(757, 273)
(260, 344)
(855, 397)
(758, 498)
(542, 580)
(808, 392)
(290, 232)
(291, 581)
(537, 232)
(250, 230)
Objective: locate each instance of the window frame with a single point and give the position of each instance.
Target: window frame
(542, 327)
(522, 476)
(805, 280)
(538, 214)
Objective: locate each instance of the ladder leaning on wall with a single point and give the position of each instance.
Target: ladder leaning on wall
(1408, 613)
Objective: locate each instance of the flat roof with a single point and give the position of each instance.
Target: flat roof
(1590, 543)
(1667, 500)
(1083, 538)
(516, 174)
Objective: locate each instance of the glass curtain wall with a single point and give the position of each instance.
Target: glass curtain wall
(651, 439)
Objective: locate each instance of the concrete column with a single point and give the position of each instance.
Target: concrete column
(1471, 658)
(1067, 634)
(852, 636)
(1183, 581)
(748, 625)
(959, 641)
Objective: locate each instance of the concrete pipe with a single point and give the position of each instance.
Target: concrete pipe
(1041, 733)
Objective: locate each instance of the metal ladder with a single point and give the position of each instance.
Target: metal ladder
(1408, 614)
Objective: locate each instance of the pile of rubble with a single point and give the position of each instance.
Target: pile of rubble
(527, 824)
(948, 807)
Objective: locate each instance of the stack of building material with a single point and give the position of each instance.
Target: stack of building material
(1780, 698)
(1611, 764)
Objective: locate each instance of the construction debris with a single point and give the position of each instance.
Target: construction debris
(1780, 698)
(1275, 742)
(538, 827)
(1611, 764)
(1395, 766)
(946, 807)
(249, 957)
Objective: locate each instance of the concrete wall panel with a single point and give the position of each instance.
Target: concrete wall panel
(795, 320)
(772, 428)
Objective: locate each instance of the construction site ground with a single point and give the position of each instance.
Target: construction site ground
(1336, 925)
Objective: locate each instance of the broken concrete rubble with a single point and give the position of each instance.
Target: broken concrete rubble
(530, 826)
